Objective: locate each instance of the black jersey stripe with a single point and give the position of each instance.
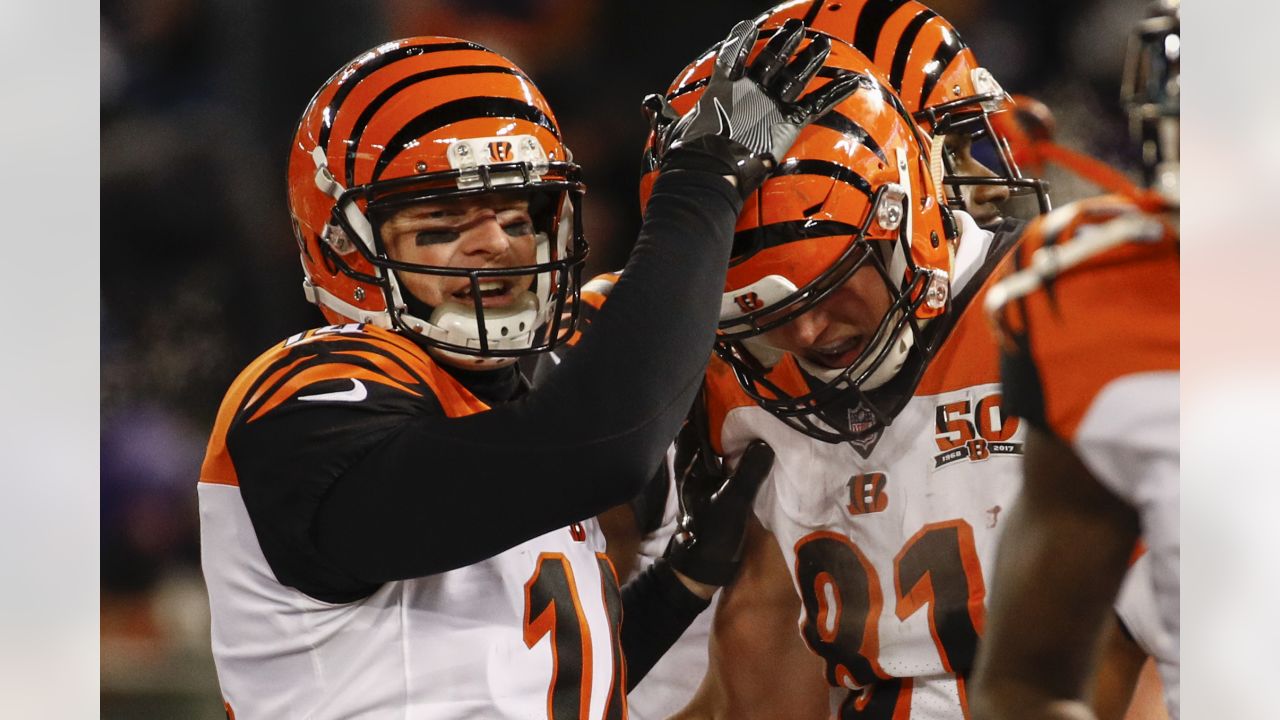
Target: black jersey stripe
(950, 46)
(749, 242)
(455, 111)
(348, 84)
(312, 352)
(365, 115)
(871, 22)
(905, 44)
(824, 168)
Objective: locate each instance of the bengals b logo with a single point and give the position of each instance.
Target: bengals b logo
(748, 301)
(500, 151)
(866, 493)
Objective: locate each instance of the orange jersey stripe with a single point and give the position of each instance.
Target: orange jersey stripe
(1113, 313)
(380, 356)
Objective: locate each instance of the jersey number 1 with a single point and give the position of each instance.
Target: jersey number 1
(552, 607)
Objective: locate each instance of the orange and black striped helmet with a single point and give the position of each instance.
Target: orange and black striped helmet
(430, 118)
(937, 76)
(854, 192)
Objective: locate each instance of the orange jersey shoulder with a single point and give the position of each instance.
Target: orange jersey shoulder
(1090, 296)
(339, 362)
(591, 299)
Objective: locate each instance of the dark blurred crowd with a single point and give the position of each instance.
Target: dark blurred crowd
(200, 273)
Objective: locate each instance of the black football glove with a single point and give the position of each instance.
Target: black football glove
(714, 503)
(748, 117)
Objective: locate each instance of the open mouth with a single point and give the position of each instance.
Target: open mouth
(493, 293)
(838, 355)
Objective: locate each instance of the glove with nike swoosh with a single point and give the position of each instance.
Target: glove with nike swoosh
(749, 116)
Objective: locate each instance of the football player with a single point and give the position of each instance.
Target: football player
(393, 523)
(953, 98)
(1088, 317)
(920, 56)
(852, 342)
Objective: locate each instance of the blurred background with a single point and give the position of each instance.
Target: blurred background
(199, 99)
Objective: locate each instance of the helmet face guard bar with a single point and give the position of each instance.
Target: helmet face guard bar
(762, 320)
(1150, 94)
(811, 412)
(971, 116)
(808, 412)
(562, 274)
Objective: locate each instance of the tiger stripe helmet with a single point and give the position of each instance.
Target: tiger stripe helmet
(431, 118)
(934, 72)
(855, 191)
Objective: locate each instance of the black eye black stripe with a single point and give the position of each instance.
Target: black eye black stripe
(454, 111)
(903, 52)
(373, 107)
(871, 22)
(950, 46)
(377, 63)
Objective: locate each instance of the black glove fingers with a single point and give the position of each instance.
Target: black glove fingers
(797, 74)
(773, 56)
(732, 58)
(658, 110)
(818, 102)
(753, 468)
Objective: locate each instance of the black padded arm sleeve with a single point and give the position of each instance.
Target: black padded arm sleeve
(656, 610)
(440, 493)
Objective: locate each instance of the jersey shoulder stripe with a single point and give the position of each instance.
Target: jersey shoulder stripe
(339, 363)
(1090, 297)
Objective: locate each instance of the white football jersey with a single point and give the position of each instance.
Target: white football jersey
(524, 634)
(531, 632)
(892, 553)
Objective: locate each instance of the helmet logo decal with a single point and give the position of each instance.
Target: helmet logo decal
(748, 301)
(500, 151)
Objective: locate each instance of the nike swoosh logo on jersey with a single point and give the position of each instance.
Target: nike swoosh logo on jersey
(357, 393)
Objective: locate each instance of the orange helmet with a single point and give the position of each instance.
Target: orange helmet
(854, 191)
(936, 75)
(430, 118)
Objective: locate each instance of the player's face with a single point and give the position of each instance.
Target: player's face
(981, 201)
(835, 331)
(494, 231)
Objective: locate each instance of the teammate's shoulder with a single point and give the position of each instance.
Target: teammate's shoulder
(601, 285)
(1077, 238)
(723, 394)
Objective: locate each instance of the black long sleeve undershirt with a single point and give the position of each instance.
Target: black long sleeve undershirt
(656, 610)
(584, 440)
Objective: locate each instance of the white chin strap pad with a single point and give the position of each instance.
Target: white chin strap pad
(506, 328)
